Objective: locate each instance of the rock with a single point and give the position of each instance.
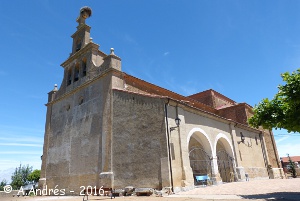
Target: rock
(119, 192)
(129, 190)
(143, 191)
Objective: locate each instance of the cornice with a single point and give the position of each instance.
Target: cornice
(82, 51)
(80, 27)
(83, 85)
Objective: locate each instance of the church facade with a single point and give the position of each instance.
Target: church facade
(107, 128)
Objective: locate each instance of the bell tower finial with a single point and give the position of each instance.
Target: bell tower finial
(82, 36)
(85, 12)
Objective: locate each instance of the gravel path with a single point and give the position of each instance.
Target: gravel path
(271, 189)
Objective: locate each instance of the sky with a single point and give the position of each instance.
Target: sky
(238, 48)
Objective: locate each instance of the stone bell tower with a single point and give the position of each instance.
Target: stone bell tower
(77, 141)
(82, 36)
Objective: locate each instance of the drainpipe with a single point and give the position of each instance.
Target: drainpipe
(168, 142)
(264, 152)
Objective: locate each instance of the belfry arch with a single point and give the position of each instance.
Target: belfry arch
(225, 158)
(200, 152)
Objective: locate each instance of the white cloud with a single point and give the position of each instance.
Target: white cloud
(282, 139)
(287, 143)
(188, 90)
(289, 148)
(22, 139)
(7, 167)
(21, 152)
(215, 86)
(17, 128)
(21, 145)
(127, 38)
(6, 173)
(166, 53)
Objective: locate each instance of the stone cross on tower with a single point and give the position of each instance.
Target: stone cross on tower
(85, 12)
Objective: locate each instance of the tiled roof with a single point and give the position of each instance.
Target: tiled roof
(294, 159)
(139, 86)
(154, 89)
(215, 93)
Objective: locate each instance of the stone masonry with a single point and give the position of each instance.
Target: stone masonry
(106, 128)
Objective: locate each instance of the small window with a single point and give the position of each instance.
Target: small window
(78, 44)
(80, 101)
(68, 107)
(83, 67)
(76, 72)
(69, 79)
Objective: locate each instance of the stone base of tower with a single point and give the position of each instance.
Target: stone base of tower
(42, 183)
(276, 173)
(106, 179)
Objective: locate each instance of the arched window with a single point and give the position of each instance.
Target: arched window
(69, 78)
(78, 44)
(76, 72)
(83, 67)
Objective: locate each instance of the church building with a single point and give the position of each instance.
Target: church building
(107, 128)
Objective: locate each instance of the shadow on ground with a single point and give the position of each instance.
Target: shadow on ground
(274, 196)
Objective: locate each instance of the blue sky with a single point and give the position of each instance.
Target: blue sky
(238, 48)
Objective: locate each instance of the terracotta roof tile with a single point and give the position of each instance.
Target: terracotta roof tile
(294, 158)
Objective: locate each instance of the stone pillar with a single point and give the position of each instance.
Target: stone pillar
(106, 179)
(187, 172)
(43, 176)
(112, 61)
(187, 182)
(240, 172)
(105, 168)
(215, 177)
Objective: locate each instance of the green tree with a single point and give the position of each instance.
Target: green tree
(284, 109)
(19, 177)
(292, 167)
(2, 184)
(34, 176)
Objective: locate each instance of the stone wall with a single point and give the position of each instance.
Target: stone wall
(237, 113)
(77, 132)
(204, 97)
(7, 195)
(276, 173)
(257, 172)
(139, 144)
(271, 149)
(298, 172)
(250, 151)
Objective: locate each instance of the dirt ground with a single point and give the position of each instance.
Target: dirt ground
(271, 189)
(80, 198)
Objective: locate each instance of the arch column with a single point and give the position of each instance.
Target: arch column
(216, 178)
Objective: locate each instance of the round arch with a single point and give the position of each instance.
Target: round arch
(225, 140)
(199, 134)
(223, 150)
(200, 153)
